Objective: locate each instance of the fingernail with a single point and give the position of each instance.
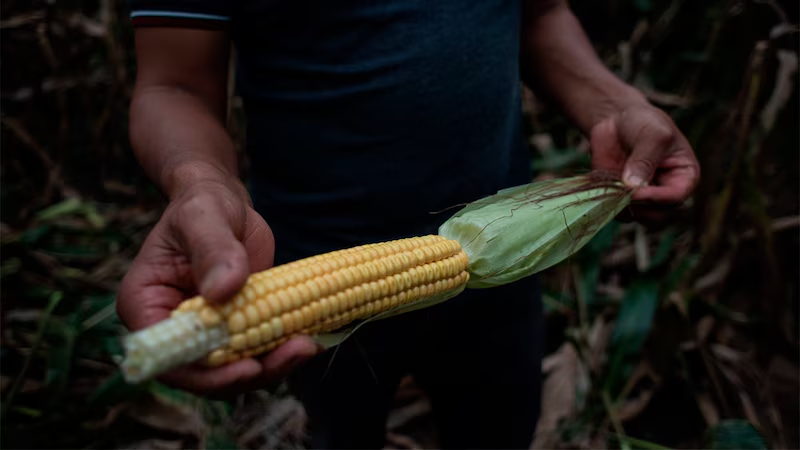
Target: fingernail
(635, 181)
(213, 278)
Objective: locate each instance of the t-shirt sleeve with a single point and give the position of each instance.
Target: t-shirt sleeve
(207, 14)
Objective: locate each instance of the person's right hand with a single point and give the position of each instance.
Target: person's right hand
(207, 242)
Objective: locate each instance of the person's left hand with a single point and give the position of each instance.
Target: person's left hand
(644, 145)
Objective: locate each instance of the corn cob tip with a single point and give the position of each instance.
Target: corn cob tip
(178, 340)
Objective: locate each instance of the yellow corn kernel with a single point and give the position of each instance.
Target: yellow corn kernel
(325, 292)
(237, 322)
(253, 337)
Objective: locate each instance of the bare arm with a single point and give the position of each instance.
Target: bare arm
(177, 115)
(559, 61)
(628, 135)
(209, 238)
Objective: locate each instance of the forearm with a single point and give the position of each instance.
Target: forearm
(179, 140)
(558, 62)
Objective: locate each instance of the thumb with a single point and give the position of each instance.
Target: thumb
(219, 260)
(641, 165)
(651, 138)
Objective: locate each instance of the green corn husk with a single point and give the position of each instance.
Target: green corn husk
(525, 229)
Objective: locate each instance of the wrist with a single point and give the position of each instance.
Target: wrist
(189, 175)
(609, 101)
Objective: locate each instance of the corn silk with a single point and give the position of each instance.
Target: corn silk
(525, 229)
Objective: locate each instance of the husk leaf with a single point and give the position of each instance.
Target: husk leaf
(525, 229)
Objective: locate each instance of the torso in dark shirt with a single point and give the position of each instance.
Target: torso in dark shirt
(365, 117)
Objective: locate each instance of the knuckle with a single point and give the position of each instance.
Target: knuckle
(656, 127)
(209, 211)
(664, 136)
(644, 164)
(231, 259)
(194, 208)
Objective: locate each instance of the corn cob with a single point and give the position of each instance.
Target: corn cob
(493, 241)
(311, 296)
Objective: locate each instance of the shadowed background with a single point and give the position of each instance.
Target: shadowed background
(683, 334)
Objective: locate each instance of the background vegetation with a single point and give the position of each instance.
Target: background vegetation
(683, 335)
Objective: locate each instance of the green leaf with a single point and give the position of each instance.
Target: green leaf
(100, 328)
(663, 250)
(557, 300)
(217, 438)
(603, 240)
(560, 159)
(92, 216)
(175, 397)
(30, 412)
(67, 207)
(588, 283)
(734, 434)
(112, 346)
(77, 252)
(115, 390)
(40, 292)
(71, 273)
(643, 5)
(55, 299)
(633, 324)
(10, 267)
(589, 258)
(62, 337)
(100, 312)
(677, 274)
(216, 415)
(634, 443)
(33, 235)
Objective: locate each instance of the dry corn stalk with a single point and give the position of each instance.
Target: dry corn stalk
(494, 241)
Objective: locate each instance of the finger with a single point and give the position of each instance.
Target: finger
(280, 363)
(219, 260)
(154, 284)
(673, 187)
(287, 357)
(607, 154)
(653, 143)
(245, 375)
(137, 315)
(223, 381)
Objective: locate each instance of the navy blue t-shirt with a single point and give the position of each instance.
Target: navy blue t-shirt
(364, 117)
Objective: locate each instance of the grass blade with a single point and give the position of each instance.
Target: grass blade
(55, 298)
(734, 434)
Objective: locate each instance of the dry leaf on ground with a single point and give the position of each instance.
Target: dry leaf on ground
(564, 373)
(165, 417)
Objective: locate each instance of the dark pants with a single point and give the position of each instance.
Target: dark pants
(477, 356)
